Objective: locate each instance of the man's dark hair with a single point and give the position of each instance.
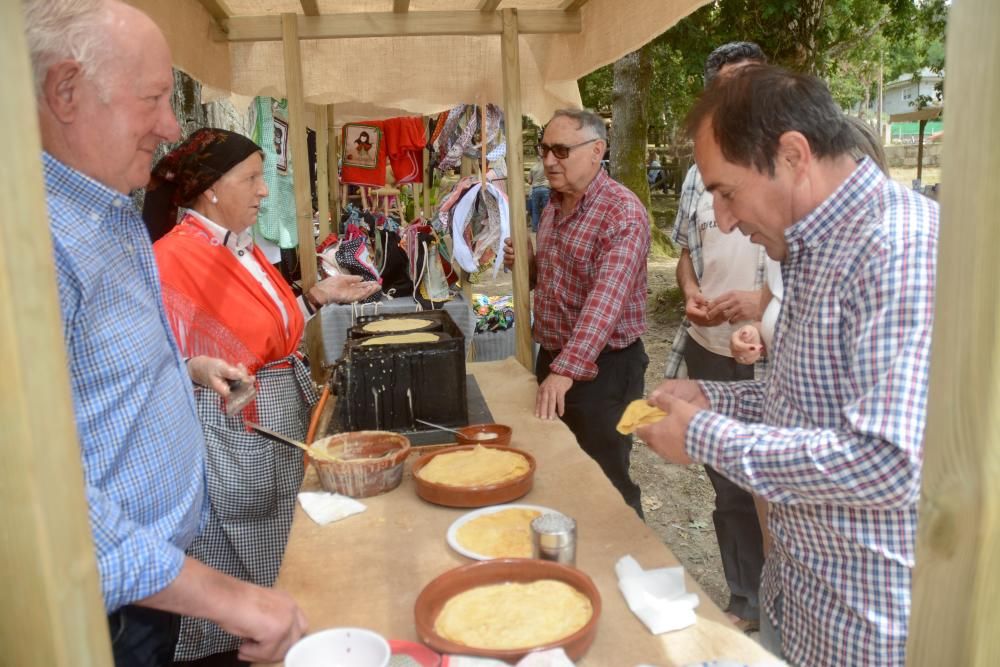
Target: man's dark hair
(733, 52)
(750, 109)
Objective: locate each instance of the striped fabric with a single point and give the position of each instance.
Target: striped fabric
(833, 438)
(141, 443)
(591, 276)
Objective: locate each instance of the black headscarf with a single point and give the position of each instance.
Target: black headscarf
(187, 171)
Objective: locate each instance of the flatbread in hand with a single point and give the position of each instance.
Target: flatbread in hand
(639, 413)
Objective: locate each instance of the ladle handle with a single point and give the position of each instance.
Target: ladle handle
(276, 436)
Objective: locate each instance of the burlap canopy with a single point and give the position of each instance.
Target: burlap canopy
(376, 77)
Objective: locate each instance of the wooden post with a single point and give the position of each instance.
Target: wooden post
(920, 149)
(300, 170)
(956, 582)
(333, 159)
(427, 173)
(511, 63)
(322, 171)
(53, 613)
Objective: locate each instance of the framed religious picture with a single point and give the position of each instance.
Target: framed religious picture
(361, 145)
(281, 143)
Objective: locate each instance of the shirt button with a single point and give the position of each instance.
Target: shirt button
(95, 217)
(239, 252)
(117, 203)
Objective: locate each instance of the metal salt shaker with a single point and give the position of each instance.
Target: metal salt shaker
(553, 537)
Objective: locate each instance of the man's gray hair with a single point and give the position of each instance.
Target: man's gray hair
(66, 29)
(586, 119)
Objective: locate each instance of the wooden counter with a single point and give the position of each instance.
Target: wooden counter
(366, 570)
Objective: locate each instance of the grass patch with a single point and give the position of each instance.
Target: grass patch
(666, 307)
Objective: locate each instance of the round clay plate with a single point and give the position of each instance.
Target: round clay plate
(473, 496)
(521, 570)
(452, 535)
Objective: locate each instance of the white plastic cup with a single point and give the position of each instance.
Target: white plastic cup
(340, 647)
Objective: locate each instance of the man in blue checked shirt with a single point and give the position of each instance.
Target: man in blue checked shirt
(832, 439)
(103, 81)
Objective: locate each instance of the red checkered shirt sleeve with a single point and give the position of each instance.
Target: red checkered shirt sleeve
(613, 310)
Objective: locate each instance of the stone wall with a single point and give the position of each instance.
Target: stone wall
(905, 156)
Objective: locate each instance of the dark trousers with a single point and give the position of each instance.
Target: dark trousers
(143, 637)
(735, 517)
(593, 409)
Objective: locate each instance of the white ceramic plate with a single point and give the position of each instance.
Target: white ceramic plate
(469, 516)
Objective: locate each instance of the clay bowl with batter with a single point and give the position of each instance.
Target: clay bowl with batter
(433, 597)
(473, 496)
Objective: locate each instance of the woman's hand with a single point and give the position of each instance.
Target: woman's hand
(745, 344)
(216, 374)
(342, 289)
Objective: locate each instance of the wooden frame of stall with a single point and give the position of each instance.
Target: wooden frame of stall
(53, 613)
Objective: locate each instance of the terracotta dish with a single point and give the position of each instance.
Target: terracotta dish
(520, 570)
(480, 434)
(369, 462)
(473, 496)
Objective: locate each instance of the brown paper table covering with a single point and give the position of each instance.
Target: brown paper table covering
(366, 570)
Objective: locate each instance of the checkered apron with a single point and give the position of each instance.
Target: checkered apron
(252, 484)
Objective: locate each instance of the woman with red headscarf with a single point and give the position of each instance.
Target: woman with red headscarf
(224, 299)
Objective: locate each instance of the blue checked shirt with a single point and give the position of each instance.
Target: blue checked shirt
(140, 439)
(833, 437)
(685, 234)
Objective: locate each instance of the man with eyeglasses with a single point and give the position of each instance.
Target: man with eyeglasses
(589, 277)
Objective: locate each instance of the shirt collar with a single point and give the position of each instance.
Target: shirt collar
(818, 224)
(235, 242)
(80, 190)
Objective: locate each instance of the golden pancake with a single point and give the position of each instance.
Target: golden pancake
(503, 534)
(639, 413)
(513, 616)
(479, 466)
(398, 339)
(397, 324)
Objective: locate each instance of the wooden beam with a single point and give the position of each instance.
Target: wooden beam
(322, 171)
(333, 164)
(300, 171)
(572, 5)
(489, 5)
(956, 581)
(53, 614)
(400, 6)
(390, 24)
(217, 9)
(511, 65)
(310, 7)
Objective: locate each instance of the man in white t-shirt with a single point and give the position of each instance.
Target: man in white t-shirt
(721, 277)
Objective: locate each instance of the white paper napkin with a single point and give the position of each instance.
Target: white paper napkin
(658, 597)
(324, 507)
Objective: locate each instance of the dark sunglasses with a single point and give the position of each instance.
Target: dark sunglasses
(561, 151)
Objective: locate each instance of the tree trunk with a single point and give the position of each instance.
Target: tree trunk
(808, 19)
(630, 91)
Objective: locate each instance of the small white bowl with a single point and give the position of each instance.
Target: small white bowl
(342, 647)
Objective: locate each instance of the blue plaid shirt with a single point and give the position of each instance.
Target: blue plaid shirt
(833, 437)
(140, 439)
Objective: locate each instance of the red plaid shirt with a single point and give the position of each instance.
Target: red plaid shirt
(591, 276)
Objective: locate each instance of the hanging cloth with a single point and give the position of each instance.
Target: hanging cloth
(405, 139)
(276, 219)
(364, 153)
(472, 247)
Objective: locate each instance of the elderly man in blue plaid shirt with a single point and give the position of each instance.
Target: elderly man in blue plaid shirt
(103, 82)
(832, 438)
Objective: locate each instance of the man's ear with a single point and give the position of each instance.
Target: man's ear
(61, 89)
(794, 151)
(598, 150)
